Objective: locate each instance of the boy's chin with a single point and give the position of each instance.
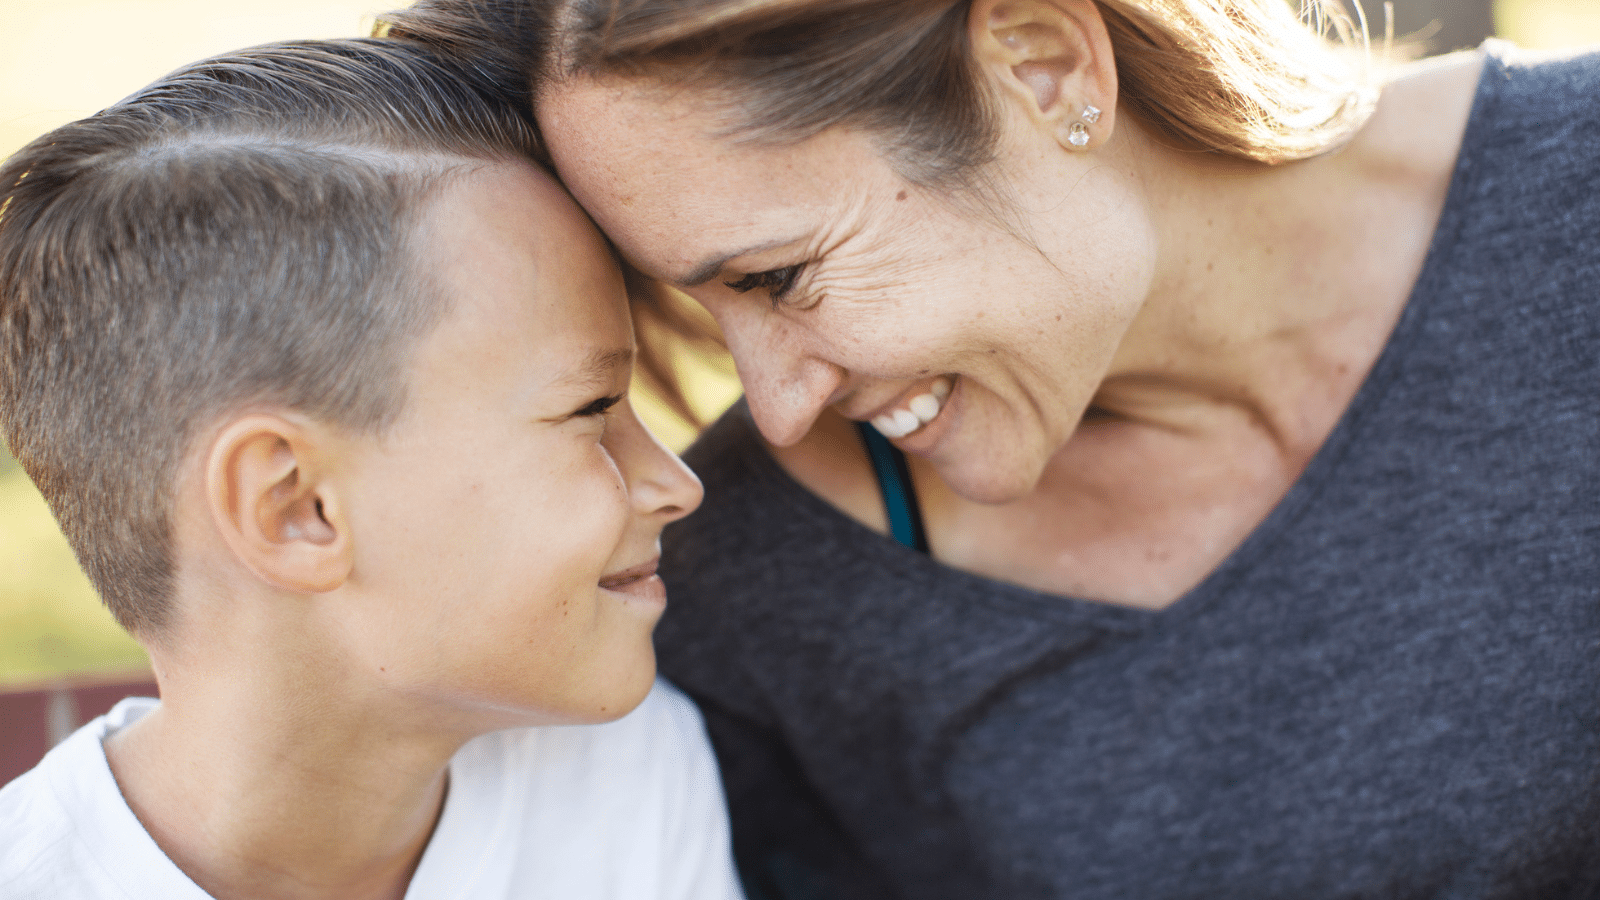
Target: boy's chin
(629, 692)
(522, 699)
(614, 694)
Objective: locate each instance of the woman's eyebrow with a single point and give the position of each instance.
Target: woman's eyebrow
(708, 269)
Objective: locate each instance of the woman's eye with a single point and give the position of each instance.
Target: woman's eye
(776, 282)
(597, 407)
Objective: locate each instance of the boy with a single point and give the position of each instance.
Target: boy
(326, 385)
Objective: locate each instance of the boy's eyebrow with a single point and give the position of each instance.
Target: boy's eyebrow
(598, 368)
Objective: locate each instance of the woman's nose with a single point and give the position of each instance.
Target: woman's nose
(787, 388)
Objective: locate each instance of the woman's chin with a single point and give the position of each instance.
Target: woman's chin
(990, 479)
(977, 455)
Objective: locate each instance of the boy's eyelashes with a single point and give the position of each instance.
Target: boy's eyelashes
(597, 407)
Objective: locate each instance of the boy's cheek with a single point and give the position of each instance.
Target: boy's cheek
(558, 664)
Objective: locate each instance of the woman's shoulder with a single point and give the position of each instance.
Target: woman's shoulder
(1531, 153)
(1423, 113)
(1564, 79)
(1434, 111)
(1534, 108)
(1559, 81)
(1506, 140)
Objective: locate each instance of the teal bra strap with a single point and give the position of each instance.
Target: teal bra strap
(894, 480)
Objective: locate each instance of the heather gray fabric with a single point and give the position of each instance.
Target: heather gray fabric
(1390, 690)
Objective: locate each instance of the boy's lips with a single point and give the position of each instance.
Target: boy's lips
(620, 581)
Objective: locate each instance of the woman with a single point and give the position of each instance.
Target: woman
(1235, 500)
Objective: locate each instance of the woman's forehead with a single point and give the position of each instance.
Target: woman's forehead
(596, 122)
(654, 170)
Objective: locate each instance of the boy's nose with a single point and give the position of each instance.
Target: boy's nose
(659, 483)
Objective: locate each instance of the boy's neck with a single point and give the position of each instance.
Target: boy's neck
(256, 786)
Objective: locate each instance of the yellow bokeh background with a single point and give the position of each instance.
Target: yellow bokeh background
(63, 59)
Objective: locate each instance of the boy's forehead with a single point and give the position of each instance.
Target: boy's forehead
(499, 224)
(481, 186)
(524, 274)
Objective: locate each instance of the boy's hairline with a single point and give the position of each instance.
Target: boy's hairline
(232, 123)
(438, 173)
(377, 153)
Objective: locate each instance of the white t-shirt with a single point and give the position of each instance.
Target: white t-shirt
(631, 810)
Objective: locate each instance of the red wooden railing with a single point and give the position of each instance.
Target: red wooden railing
(35, 717)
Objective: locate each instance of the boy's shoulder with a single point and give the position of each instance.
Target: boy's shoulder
(628, 809)
(66, 833)
(622, 810)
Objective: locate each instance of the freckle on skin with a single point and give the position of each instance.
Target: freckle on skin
(900, 196)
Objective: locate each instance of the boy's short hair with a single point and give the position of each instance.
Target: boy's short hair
(237, 233)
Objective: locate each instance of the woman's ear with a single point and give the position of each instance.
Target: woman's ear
(275, 506)
(1052, 60)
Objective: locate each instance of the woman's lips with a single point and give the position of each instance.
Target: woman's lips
(915, 411)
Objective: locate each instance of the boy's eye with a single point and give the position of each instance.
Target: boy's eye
(776, 282)
(597, 407)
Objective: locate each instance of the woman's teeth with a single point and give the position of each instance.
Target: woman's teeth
(919, 411)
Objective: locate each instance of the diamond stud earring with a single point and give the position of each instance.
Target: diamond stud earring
(1078, 134)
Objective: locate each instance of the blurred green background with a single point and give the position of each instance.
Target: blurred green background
(63, 59)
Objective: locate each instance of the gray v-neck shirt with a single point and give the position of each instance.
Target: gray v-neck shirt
(1391, 689)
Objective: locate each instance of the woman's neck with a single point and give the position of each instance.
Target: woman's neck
(1274, 293)
(1278, 288)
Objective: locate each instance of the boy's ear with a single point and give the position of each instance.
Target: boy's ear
(275, 506)
(1052, 59)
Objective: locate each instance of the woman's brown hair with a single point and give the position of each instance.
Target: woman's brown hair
(1254, 80)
